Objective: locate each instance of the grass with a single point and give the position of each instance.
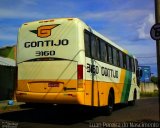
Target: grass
(149, 94)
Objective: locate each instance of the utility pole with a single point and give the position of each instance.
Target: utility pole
(157, 17)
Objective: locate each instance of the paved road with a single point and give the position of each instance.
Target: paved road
(145, 110)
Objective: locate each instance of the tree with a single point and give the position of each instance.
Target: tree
(154, 79)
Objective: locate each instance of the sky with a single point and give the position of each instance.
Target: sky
(126, 22)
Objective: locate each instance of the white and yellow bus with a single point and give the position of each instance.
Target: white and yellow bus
(64, 61)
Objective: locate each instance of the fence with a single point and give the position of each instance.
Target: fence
(8, 80)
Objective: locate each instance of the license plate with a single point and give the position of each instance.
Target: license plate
(53, 84)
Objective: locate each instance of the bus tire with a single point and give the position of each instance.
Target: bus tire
(38, 105)
(133, 102)
(29, 104)
(110, 103)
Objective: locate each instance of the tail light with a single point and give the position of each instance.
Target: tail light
(80, 72)
(80, 76)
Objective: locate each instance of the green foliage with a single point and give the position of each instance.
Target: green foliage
(154, 79)
(7, 52)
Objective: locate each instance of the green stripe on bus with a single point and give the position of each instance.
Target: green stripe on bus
(127, 86)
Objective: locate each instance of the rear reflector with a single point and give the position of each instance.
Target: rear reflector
(80, 72)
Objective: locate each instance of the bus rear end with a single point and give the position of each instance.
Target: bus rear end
(47, 59)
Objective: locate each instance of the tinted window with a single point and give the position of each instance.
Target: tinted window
(87, 44)
(133, 65)
(118, 58)
(97, 45)
(103, 51)
(124, 61)
(110, 59)
(100, 50)
(114, 56)
(93, 46)
(121, 59)
(128, 63)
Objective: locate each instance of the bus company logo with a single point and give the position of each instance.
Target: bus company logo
(44, 31)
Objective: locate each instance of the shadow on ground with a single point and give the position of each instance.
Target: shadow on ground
(59, 114)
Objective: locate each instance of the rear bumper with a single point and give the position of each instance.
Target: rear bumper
(57, 98)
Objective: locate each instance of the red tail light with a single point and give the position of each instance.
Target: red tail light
(80, 72)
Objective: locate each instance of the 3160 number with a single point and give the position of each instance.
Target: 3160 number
(45, 53)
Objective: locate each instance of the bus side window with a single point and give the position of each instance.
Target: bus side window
(103, 51)
(118, 58)
(97, 48)
(106, 53)
(121, 59)
(110, 57)
(128, 65)
(93, 46)
(124, 61)
(87, 44)
(115, 57)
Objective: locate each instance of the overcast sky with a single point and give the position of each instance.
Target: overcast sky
(126, 22)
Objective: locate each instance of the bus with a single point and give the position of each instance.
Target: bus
(64, 61)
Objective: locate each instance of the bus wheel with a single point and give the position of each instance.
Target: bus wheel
(133, 102)
(110, 104)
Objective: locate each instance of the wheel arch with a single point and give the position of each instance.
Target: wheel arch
(111, 90)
